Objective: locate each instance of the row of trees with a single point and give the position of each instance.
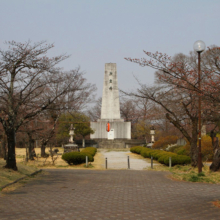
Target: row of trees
(142, 113)
(36, 95)
(177, 92)
(34, 89)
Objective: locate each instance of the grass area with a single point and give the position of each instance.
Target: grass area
(26, 168)
(46, 163)
(41, 162)
(89, 166)
(8, 176)
(189, 173)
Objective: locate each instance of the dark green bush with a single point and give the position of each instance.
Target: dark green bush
(161, 156)
(181, 152)
(158, 153)
(74, 158)
(164, 159)
(136, 150)
(146, 152)
(90, 157)
(174, 149)
(80, 157)
(177, 159)
(90, 150)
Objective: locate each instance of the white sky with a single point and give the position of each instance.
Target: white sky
(96, 32)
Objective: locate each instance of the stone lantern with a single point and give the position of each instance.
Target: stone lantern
(71, 147)
(152, 133)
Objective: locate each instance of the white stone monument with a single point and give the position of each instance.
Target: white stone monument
(110, 111)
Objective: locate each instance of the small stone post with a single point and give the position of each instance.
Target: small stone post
(86, 161)
(170, 162)
(128, 163)
(151, 162)
(106, 165)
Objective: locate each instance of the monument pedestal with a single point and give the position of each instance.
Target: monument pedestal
(72, 147)
(118, 130)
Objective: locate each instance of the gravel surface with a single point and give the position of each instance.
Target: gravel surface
(119, 160)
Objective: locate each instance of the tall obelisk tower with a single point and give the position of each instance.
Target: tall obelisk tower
(110, 111)
(110, 96)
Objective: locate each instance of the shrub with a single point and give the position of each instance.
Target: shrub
(164, 141)
(136, 150)
(80, 157)
(182, 151)
(146, 152)
(158, 153)
(74, 158)
(90, 150)
(162, 156)
(177, 159)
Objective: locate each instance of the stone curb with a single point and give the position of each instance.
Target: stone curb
(27, 175)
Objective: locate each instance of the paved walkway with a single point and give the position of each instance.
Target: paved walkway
(111, 194)
(119, 160)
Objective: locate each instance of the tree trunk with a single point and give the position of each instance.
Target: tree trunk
(43, 148)
(3, 148)
(31, 148)
(215, 166)
(26, 147)
(193, 145)
(11, 158)
(45, 141)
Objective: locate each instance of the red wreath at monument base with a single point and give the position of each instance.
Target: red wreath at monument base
(108, 127)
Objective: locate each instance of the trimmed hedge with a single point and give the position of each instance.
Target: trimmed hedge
(80, 157)
(136, 150)
(90, 150)
(161, 156)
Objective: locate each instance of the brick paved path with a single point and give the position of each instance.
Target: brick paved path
(111, 194)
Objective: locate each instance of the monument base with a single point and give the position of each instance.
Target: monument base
(71, 147)
(118, 130)
(116, 144)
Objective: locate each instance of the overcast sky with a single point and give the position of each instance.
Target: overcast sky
(96, 32)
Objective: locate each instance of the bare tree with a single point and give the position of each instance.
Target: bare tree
(95, 112)
(179, 75)
(128, 110)
(30, 83)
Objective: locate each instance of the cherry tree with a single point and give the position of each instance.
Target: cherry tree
(177, 92)
(30, 83)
